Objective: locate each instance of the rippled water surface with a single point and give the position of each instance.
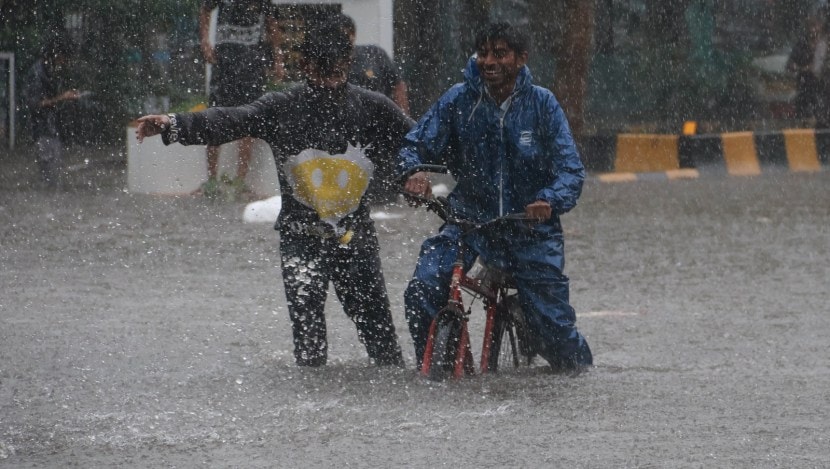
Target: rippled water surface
(142, 331)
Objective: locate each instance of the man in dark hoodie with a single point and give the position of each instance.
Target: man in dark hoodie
(332, 141)
(508, 145)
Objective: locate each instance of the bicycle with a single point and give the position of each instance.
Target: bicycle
(448, 349)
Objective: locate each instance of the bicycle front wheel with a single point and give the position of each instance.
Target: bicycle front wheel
(445, 349)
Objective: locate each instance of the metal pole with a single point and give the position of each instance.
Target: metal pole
(12, 106)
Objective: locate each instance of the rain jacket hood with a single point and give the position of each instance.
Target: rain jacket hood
(503, 157)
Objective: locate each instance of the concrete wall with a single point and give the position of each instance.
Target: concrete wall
(153, 168)
(373, 19)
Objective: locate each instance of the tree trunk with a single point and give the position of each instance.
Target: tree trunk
(416, 27)
(420, 49)
(573, 58)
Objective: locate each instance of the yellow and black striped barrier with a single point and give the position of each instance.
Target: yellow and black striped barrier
(630, 157)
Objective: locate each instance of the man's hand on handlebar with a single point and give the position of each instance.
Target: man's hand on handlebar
(418, 184)
(539, 210)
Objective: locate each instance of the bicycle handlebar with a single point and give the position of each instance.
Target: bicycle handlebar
(426, 168)
(441, 206)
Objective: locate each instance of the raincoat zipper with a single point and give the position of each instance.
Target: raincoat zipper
(503, 154)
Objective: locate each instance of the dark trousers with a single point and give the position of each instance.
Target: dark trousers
(50, 159)
(309, 263)
(535, 259)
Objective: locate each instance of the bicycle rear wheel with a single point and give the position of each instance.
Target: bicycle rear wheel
(510, 344)
(502, 344)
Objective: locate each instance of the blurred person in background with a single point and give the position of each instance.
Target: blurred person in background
(45, 93)
(247, 45)
(373, 69)
(808, 60)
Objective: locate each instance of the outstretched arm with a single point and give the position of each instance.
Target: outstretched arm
(69, 95)
(216, 125)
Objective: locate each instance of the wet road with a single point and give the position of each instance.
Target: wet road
(140, 331)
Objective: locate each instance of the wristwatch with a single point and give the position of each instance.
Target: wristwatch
(171, 132)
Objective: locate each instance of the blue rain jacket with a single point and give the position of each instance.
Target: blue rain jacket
(503, 158)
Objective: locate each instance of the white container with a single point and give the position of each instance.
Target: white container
(153, 168)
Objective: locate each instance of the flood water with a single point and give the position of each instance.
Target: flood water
(146, 331)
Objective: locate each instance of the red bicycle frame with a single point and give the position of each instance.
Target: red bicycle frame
(491, 293)
(463, 362)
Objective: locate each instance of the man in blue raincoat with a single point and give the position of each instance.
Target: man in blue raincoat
(508, 145)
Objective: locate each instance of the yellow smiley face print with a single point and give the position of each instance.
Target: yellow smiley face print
(331, 185)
